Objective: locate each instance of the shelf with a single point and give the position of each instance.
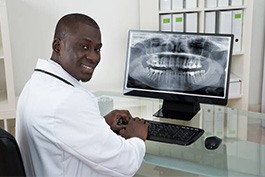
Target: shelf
(201, 9)
(7, 91)
(235, 97)
(225, 8)
(179, 11)
(149, 13)
(238, 53)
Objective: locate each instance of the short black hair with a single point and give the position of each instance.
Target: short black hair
(69, 22)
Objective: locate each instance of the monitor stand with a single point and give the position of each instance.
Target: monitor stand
(178, 110)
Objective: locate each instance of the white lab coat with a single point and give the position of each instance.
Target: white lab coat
(61, 134)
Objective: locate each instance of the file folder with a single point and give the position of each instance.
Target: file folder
(231, 123)
(223, 3)
(165, 22)
(225, 22)
(210, 3)
(236, 2)
(208, 119)
(165, 5)
(219, 121)
(178, 22)
(234, 86)
(237, 29)
(191, 22)
(177, 4)
(190, 4)
(210, 22)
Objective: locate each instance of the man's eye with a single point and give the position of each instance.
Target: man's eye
(97, 50)
(85, 47)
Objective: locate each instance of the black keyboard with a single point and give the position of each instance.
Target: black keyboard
(172, 133)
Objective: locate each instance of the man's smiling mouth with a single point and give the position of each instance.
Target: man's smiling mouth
(87, 67)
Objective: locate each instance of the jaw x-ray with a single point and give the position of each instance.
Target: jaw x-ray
(189, 63)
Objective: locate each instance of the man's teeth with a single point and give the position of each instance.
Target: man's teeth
(87, 67)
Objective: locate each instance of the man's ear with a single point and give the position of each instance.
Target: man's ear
(56, 45)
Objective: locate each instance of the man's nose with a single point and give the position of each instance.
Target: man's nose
(93, 56)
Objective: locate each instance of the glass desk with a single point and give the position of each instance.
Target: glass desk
(242, 152)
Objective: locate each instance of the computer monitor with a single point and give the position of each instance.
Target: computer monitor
(182, 69)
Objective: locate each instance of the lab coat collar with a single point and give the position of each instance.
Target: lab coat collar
(55, 68)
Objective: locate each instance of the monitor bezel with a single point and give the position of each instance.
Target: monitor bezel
(167, 95)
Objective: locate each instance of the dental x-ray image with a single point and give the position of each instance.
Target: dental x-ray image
(178, 62)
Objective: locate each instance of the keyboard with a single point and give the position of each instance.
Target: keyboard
(172, 133)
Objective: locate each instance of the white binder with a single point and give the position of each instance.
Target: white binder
(165, 22)
(237, 29)
(191, 22)
(234, 86)
(165, 5)
(219, 121)
(223, 3)
(178, 22)
(210, 22)
(208, 119)
(231, 123)
(177, 4)
(225, 22)
(190, 4)
(210, 3)
(236, 2)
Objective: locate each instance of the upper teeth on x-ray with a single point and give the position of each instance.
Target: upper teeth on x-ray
(177, 62)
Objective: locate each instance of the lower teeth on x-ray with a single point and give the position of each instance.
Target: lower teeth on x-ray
(177, 62)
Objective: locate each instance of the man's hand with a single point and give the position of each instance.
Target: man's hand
(113, 117)
(135, 128)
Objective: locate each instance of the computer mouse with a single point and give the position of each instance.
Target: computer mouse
(212, 142)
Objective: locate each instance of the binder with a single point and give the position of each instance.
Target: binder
(237, 29)
(177, 4)
(225, 22)
(219, 121)
(191, 22)
(208, 119)
(165, 5)
(210, 22)
(178, 22)
(190, 4)
(234, 86)
(210, 3)
(236, 2)
(223, 3)
(165, 22)
(231, 123)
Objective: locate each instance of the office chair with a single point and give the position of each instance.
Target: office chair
(11, 163)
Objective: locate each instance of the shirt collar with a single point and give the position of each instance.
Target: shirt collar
(53, 67)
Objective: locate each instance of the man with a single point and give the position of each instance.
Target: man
(59, 128)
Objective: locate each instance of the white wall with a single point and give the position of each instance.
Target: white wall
(257, 54)
(32, 24)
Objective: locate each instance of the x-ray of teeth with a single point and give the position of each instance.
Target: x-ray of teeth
(174, 62)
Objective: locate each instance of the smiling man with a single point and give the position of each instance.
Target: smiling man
(76, 47)
(59, 127)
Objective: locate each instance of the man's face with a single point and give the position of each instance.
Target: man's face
(80, 52)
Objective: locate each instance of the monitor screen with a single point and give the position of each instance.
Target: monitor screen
(183, 69)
